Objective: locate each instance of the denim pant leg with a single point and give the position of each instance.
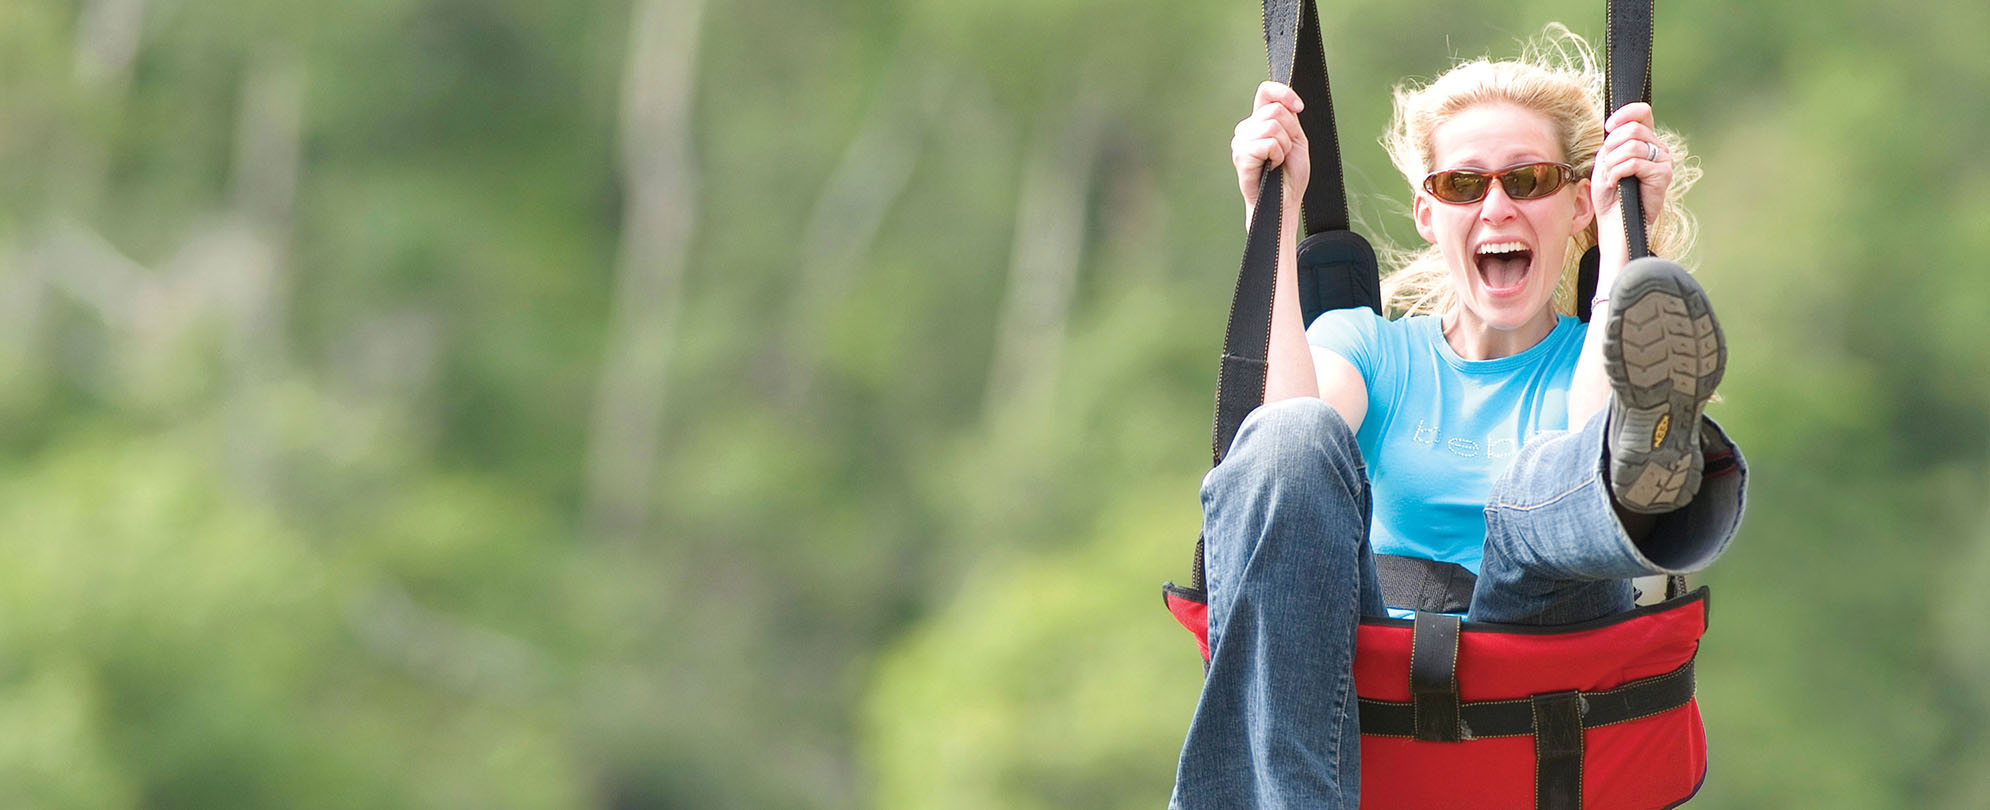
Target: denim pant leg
(1289, 575)
(1555, 552)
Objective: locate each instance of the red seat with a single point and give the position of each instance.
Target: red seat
(1628, 735)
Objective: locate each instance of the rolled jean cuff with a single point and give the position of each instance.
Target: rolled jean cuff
(1557, 534)
(1690, 538)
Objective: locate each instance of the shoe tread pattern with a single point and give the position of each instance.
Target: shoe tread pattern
(1665, 354)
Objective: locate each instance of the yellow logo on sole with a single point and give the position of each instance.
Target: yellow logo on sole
(1658, 433)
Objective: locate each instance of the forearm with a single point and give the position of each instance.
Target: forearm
(1290, 360)
(1589, 391)
(1272, 137)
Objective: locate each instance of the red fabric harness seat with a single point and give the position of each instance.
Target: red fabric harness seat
(1598, 715)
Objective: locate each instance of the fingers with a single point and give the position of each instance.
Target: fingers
(1278, 103)
(1636, 111)
(1632, 148)
(1270, 92)
(1631, 133)
(1256, 153)
(1634, 142)
(1271, 136)
(1258, 145)
(1270, 122)
(1630, 159)
(1639, 158)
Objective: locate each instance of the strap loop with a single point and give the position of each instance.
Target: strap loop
(1558, 751)
(1434, 678)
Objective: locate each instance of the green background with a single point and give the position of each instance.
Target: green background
(684, 404)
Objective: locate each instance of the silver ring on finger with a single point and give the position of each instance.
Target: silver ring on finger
(1651, 152)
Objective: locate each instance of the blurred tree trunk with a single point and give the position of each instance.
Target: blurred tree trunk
(107, 42)
(1044, 258)
(659, 177)
(107, 38)
(249, 251)
(443, 650)
(231, 268)
(844, 223)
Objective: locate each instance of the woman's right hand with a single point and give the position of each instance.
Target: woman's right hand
(1271, 137)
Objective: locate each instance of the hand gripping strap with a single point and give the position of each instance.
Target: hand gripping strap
(1629, 47)
(1298, 61)
(1240, 382)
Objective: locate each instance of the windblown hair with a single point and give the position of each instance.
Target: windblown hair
(1557, 75)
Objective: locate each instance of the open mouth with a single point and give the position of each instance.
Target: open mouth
(1503, 266)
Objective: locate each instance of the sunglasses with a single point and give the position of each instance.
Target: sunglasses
(1526, 181)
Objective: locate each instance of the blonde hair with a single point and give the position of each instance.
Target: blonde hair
(1557, 75)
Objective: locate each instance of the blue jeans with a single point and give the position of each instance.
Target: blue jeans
(1289, 575)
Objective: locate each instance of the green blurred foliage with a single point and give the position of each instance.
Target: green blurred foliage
(293, 450)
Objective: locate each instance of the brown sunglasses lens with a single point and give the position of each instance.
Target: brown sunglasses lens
(1528, 182)
(1520, 182)
(1458, 185)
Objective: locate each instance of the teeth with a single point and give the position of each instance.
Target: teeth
(1502, 247)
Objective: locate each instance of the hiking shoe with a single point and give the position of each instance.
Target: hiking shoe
(1664, 353)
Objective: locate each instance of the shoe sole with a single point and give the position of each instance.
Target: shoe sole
(1665, 353)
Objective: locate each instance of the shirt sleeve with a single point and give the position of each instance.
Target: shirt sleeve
(1352, 333)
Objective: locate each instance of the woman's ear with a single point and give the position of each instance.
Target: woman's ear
(1421, 213)
(1585, 206)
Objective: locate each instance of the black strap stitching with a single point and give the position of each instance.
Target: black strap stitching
(1637, 700)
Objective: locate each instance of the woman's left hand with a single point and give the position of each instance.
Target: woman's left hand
(1631, 148)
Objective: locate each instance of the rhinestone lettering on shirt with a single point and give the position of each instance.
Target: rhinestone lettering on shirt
(1466, 448)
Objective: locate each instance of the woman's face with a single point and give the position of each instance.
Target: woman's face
(1505, 255)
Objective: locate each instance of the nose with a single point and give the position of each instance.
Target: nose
(1497, 207)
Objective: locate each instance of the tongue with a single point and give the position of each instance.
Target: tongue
(1504, 270)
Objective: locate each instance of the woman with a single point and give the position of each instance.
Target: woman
(1485, 428)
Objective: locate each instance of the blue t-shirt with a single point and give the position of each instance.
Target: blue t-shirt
(1441, 428)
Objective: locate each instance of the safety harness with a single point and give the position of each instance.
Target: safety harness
(1599, 715)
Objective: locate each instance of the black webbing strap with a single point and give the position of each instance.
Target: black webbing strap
(1247, 340)
(1294, 56)
(1558, 751)
(1424, 585)
(1337, 266)
(1434, 678)
(1326, 192)
(1482, 719)
(1629, 52)
(1585, 281)
(1629, 46)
